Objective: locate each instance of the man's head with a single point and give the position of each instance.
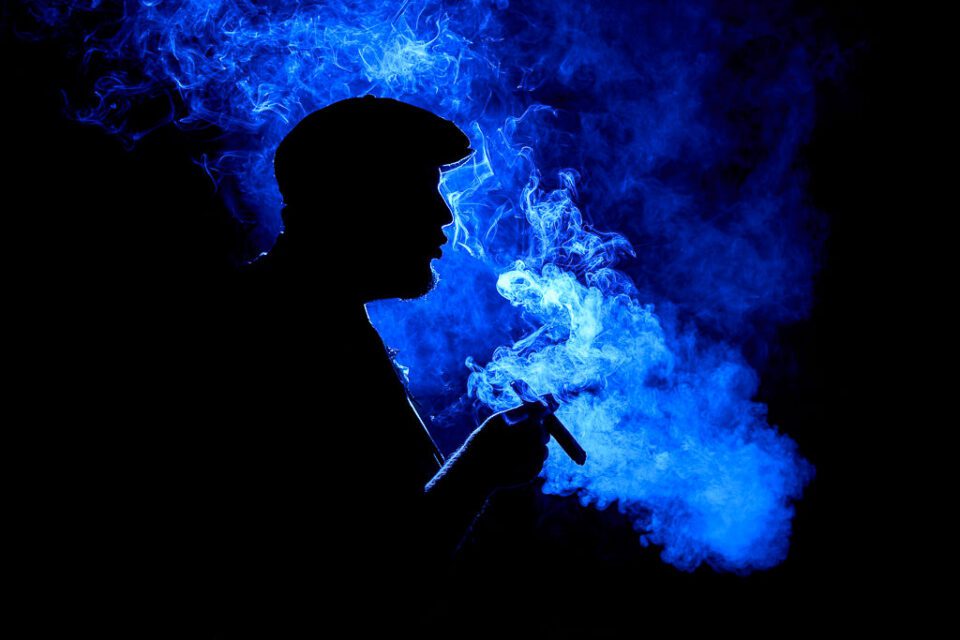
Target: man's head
(362, 209)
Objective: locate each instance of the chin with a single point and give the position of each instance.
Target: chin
(420, 284)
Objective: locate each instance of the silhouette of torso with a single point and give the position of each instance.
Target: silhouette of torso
(309, 461)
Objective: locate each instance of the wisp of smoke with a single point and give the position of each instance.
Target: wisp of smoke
(633, 217)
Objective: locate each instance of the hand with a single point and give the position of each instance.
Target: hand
(509, 449)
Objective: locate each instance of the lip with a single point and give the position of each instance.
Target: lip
(436, 250)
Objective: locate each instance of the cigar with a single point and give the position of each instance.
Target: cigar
(554, 427)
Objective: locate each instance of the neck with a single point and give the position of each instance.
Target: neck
(298, 281)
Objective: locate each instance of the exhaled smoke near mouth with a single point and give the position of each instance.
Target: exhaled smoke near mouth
(678, 126)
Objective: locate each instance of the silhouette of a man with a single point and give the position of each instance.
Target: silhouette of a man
(350, 492)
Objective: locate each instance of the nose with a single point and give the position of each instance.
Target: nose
(444, 214)
(448, 216)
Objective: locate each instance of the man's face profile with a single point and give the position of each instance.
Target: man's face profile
(400, 231)
(360, 184)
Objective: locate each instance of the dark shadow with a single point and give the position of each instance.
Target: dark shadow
(337, 458)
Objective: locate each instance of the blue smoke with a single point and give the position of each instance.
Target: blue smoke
(632, 223)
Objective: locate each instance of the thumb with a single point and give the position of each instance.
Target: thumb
(526, 411)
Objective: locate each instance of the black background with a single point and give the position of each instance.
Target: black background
(113, 253)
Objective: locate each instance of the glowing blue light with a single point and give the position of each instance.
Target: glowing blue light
(677, 125)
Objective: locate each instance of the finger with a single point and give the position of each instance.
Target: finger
(526, 411)
(565, 439)
(551, 401)
(543, 431)
(534, 431)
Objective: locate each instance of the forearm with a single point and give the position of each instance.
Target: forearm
(452, 499)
